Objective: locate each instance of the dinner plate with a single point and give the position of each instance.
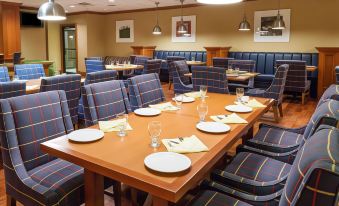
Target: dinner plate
(147, 112)
(167, 162)
(232, 75)
(213, 127)
(185, 99)
(238, 108)
(86, 135)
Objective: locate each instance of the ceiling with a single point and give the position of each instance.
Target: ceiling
(104, 5)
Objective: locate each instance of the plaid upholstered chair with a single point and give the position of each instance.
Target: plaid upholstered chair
(332, 92)
(337, 74)
(221, 62)
(283, 143)
(104, 101)
(17, 58)
(12, 89)
(275, 91)
(71, 84)
(152, 66)
(171, 67)
(313, 178)
(243, 65)
(94, 66)
(32, 176)
(4, 76)
(213, 77)
(138, 60)
(182, 83)
(296, 80)
(29, 71)
(145, 90)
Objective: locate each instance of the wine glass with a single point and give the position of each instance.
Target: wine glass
(154, 130)
(203, 92)
(123, 125)
(15, 78)
(193, 59)
(202, 109)
(240, 93)
(179, 98)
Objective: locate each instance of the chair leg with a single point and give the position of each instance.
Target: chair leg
(117, 193)
(170, 85)
(303, 97)
(281, 110)
(276, 113)
(10, 201)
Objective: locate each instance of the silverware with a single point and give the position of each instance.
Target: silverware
(174, 142)
(181, 139)
(170, 144)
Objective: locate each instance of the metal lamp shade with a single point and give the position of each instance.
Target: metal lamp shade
(182, 28)
(279, 23)
(157, 30)
(51, 11)
(244, 25)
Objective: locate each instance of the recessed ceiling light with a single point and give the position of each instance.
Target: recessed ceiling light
(219, 1)
(72, 6)
(111, 1)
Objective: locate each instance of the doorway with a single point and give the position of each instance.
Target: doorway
(69, 49)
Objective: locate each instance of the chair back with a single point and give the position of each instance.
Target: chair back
(221, 62)
(214, 78)
(314, 176)
(71, 84)
(27, 121)
(94, 66)
(2, 58)
(276, 90)
(296, 80)
(139, 60)
(4, 76)
(145, 90)
(152, 66)
(17, 58)
(29, 71)
(101, 76)
(104, 101)
(332, 92)
(171, 67)
(337, 74)
(12, 89)
(181, 68)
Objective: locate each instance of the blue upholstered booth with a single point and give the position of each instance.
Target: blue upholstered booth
(266, 65)
(162, 54)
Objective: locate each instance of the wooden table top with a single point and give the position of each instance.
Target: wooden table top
(122, 159)
(311, 68)
(33, 86)
(123, 67)
(240, 77)
(195, 63)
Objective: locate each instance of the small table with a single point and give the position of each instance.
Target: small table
(311, 68)
(195, 63)
(33, 85)
(241, 77)
(123, 67)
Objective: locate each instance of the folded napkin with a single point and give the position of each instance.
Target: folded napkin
(112, 126)
(185, 145)
(229, 119)
(168, 106)
(194, 95)
(252, 103)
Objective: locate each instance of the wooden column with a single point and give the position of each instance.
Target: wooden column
(328, 60)
(144, 50)
(216, 52)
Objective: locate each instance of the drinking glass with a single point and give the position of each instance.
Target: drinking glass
(15, 78)
(123, 125)
(202, 109)
(129, 62)
(237, 70)
(154, 130)
(193, 59)
(203, 92)
(178, 100)
(240, 93)
(125, 62)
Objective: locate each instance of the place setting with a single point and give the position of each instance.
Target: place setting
(239, 108)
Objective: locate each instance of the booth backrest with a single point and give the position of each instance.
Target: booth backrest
(198, 55)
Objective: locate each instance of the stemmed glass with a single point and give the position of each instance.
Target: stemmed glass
(15, 78)
(154, 130)
(203, 92)
(240, 93)
(123, 125)
(179, 98)
(202, 109)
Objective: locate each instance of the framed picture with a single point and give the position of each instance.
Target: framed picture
(190, 23)
(263, 21)
(124, 31)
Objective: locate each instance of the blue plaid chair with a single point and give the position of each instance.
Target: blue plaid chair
(29, 71)
(17, 58)
(182, 83)
(32, 176)
(152, 66)
(94, 66)
(243, 65)
(140, 60)
(296, 80)
(313, 178)
(104, 101)
(12, 89)
(171, 67)
(337, 74)
(275, 91)
(332, 92)
(213, 77)
(4, 76)
(221, 62)
(145, 90)
(71, 84)
(283, 143)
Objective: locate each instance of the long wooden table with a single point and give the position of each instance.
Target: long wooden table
(33, 86)
(241, 77)
(122, 159)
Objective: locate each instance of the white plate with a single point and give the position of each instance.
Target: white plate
(168, 162)
(232, 75)
(238, 108)
(213, 127)
(147, 112)
(86, 135)
(186, 99)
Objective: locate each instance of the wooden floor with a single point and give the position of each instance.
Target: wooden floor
(295, 115)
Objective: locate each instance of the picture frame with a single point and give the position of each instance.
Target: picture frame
(124, 31)
(263, 21)
(190, 22)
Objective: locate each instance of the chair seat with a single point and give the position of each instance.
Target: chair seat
(63, 180)
(255, 92)
(253, 173)
(209, 197)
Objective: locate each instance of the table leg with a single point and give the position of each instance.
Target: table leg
(248, 135)
(94, 189)
(159, 202)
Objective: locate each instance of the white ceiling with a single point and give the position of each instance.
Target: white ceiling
(103, 5)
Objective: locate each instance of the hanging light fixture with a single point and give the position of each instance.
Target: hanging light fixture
(219, 1)
(182, 27)
(51, 11)
(157, 29)
(279, 23)
(244, 24)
